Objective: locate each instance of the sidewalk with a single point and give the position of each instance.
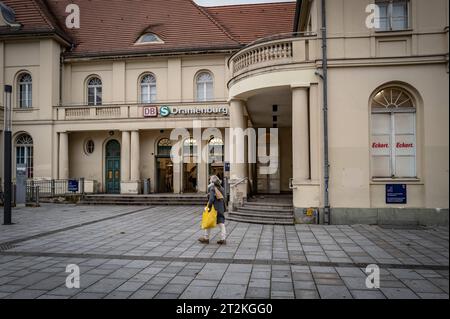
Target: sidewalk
(138, 252)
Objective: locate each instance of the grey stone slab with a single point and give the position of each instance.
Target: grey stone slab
(130, 286)
(398, 293)
(281, 286)
(119, 295)
(144, 294)
(26, 294)
(334, 292)
(230, 291)
(426, 295)
(89, 295)
(367, 294)
(257, 293)
(198, 292)
(104, 286)
(259, 283)
(306, 294)
(173, 289)
(235, 278)
(421, 286)
(305, 285)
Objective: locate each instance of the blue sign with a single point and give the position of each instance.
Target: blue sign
(164, 111)
(73, 186)
(227, 166)
(395, 193)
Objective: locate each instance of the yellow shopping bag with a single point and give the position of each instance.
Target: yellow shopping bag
(209, 219)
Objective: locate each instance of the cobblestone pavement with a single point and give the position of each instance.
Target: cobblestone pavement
(142, 252)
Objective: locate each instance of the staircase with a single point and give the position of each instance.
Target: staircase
(265, 209)
(145, 200)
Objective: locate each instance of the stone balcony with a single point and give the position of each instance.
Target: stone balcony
(283, 60)
(274, 51)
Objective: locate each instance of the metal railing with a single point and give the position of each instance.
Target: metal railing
(56, 187)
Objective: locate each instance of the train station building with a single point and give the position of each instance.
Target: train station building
(359, 131)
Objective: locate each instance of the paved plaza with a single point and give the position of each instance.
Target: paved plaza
(153, 252)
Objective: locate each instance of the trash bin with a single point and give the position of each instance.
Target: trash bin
(147, 186)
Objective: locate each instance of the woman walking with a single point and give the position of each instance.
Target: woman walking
(216, 199)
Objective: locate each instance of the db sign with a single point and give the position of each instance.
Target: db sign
(150, 111)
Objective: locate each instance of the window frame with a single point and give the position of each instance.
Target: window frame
(149, 86)
(392, 111)
(204, 84)
(28, 91)
(389, 17)
(26, 151)
(140, 40)
(96, 89)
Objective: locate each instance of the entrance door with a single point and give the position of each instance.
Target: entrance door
(268, 180)
(164, 175)
(112, 167)
(216, 158)
(190, 168)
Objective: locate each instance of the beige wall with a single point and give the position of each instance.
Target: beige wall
(349, 137)
(175, 79)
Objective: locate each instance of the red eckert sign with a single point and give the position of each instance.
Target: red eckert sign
(380, 145)
(405, 145)
(386, 145)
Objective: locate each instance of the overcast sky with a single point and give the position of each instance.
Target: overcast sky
(228, 2)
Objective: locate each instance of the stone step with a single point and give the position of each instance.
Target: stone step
(143, 203)
(149, 200)
(258, 220)
(267, 208)
(263, 214)
(268, 204)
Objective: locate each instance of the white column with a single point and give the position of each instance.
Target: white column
(202, 167)
(125, 157)
(238, 171)
(135, 156)
(63, 155)
(237, 146)
(306, 192)
(300, 134)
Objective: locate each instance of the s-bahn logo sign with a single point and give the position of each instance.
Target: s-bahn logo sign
(165, 110)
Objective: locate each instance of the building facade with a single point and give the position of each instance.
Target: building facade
(100, 101)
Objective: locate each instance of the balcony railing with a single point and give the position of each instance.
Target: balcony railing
(272, 51)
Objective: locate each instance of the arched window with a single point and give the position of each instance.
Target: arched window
(148, 89)
(25, 91)
(205, 86)
(189, 150)
(393, 144)
(164, 147)
(216, 150)
(149, 38)
(94, 91)
(24, 152)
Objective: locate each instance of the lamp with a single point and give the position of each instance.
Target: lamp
(7, 153)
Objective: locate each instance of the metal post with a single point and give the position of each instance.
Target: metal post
(52, 188)
(7, 156)
(326, 177)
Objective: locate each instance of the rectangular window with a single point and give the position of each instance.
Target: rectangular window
(95, 96)
(204, 92)
(394, 15)
(25, 93)
(393, 145)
